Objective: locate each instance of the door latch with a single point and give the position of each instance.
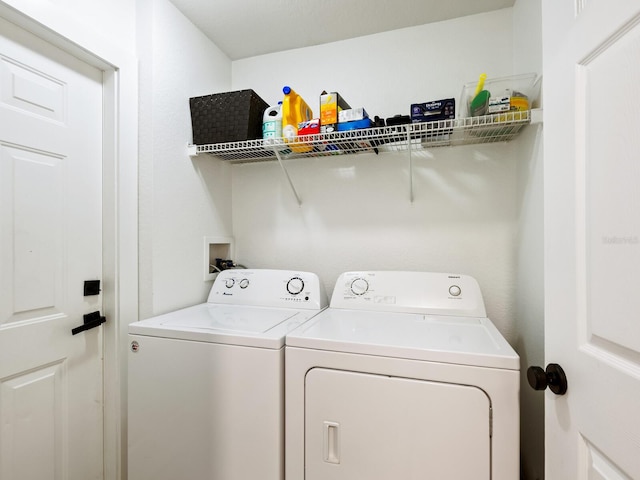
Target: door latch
(91, 320)
(91, 287)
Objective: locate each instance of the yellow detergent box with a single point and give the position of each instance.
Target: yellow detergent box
(330, 106)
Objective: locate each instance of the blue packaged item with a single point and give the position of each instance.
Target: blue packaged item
(433, 111)
(355, 125)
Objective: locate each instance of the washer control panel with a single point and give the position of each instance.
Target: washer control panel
(268, 288)
(415, 292)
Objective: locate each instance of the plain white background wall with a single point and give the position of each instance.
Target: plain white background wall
(182, 200)
(529, 297)
(356, 212)
(114, 19)
(387, 72)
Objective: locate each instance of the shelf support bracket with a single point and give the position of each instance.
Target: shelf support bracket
(409, 129)
(286, 174)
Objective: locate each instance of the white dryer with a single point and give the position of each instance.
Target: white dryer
(206, 383)
(403, 376)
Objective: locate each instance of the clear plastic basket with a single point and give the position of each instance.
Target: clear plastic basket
(526, 83)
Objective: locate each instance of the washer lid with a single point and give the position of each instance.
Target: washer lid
(471, 341)
(230, 324)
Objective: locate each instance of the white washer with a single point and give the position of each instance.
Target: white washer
(403, 376)
(206, 383)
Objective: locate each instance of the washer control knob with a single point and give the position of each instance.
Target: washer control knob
(454, 290)
(229, 282)
(295, 285)
(359, 286)
(244, 283)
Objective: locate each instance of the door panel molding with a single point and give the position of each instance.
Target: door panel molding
(30, 427)
(596, 465)
(607, 174)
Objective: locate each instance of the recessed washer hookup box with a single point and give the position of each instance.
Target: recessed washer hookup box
(433, 111)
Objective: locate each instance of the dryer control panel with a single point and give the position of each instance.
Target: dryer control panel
(409, 292)
(269, 288)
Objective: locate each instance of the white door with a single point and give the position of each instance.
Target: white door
(51, 398)
(592, 236)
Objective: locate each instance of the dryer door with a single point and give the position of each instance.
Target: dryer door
(376, 427)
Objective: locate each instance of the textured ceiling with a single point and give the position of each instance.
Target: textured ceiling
(246, 28)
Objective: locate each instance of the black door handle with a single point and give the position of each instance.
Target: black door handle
(553, 377)
(91, 320)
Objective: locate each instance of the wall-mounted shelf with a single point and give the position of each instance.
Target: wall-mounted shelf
(499, 127)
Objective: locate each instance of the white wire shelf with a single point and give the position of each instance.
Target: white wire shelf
(499, 127)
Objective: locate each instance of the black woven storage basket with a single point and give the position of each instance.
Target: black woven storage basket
(227, 117)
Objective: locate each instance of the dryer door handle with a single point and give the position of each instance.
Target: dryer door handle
(331, 434)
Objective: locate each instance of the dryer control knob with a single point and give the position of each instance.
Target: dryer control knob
(244, 283)
(295, 285)
(229, 282)
(359, 286)
(454, 290)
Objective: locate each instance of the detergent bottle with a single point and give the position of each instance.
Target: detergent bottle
(272, 122)
(272, 126)
(294, 111)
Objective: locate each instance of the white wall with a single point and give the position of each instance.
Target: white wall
(387, 72)
(529, 295)
(356, 212)
(182, 200)
(113, 20)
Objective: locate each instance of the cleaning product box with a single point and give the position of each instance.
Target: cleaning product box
(354, 125)
(310, 127)
(352, 115)
(499, 104)
(433, 111)
(330, 106)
